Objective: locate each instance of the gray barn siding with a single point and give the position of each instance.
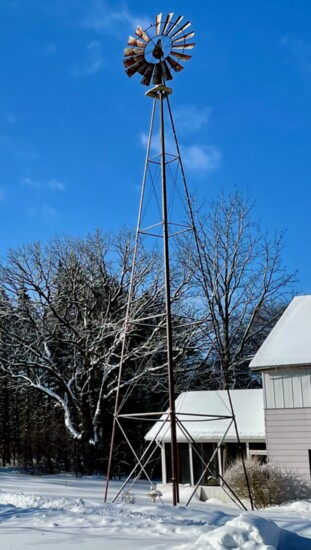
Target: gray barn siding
(287, 388)
(288, 433)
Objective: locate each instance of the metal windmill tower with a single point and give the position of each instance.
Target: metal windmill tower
(154, 53)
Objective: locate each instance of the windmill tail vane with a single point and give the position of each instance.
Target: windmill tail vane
(154, 52)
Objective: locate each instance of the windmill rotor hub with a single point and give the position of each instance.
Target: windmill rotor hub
(157, 51)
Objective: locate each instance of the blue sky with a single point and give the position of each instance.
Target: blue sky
(72, 123)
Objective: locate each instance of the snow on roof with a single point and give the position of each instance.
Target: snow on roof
(289, 342)
(248, 409)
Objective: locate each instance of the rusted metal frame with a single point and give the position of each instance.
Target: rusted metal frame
(178, 224)
(132, 415)
(147, 318)
(196, 238)
(213, 416)
(154, 179)
(138, 463)
(228, 490)
(171, 160)
(174, 457)
(180, 232)
(175, 177)
(151, 234)
(209, 463)
(145, 231)
(232, 495)
(152, 226)
(117, 399)
(204, 417)
(151, 159)
(207, 466)
(155, 162)
(158, 446)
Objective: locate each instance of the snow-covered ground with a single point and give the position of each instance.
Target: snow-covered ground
(63, 512)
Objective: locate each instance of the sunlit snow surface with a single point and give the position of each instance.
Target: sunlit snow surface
(65, 512)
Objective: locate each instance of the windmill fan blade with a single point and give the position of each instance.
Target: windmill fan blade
(142, 34)
(134, 68)
(157, 74)
(128, 52)
(166, 73)
(143, 67)
(184, 46)
(134, 42)
(129, 61)
(181, 29)
(147, 74)
(183, 56)
(178, 20)
(174, 64)
(158, 24)
(167, 22)
(185, 37)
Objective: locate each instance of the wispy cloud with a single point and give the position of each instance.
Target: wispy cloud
(195, 157)
(202, 158)
(52, 184)
(298, 53)
(92, 62)
(45, 212)
(190, 118)
(116, 19)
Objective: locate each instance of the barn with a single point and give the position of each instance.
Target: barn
(284, 360)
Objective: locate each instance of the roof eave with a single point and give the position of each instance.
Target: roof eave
(281, 366)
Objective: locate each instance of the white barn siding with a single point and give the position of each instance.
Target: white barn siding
(288, 433)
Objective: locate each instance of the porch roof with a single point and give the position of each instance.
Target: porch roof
(248, 410)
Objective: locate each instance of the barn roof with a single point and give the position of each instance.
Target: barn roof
(289, 342)
(248, 409)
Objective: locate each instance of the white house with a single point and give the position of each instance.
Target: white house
(285, 362)
(206, 417)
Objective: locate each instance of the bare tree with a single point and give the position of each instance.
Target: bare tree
(63, 325)
(239, 285)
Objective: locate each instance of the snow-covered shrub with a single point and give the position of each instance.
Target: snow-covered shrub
(269, 484)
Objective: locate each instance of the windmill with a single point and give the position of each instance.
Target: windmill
(155, 53)
(152, 53)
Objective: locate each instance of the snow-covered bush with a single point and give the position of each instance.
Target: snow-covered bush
(269, 484)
